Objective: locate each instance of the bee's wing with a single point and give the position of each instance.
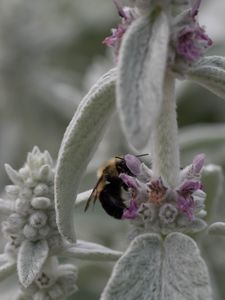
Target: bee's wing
(94, 194)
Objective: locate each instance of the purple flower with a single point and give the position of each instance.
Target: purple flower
(189, 187)
(133, 164)
(198, 163)
(191, 39)
(128, 16)
(192, 42)
(129, 181)
(185, 201)
(186, 205)
(131, 212)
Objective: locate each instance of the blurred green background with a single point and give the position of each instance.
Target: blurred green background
(51, 52)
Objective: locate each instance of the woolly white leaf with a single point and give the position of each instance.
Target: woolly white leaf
(141, 71)
(7, 267)
(217, 228)
(210, 73)
(91, 251)
(137, 273)
(13, 175)
(80, 141)
(31, 258)
(82, 197)
(184, 272)
(149, 270)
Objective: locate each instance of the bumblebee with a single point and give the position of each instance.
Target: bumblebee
(109, 187)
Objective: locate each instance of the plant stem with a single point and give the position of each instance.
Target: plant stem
(165, 148)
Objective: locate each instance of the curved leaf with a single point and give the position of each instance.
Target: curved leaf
(150, 270)
(210, 73)
(142, 64)
(7, 267)
(91, 251)
(185, 275)
(31, 258)
(79, 143)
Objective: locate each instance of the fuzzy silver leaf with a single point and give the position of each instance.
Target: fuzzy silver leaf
(210, 73)
(142, 63)
(137, 273)
(31, 258)
(91, 251)
(151, 269)
(79, 143)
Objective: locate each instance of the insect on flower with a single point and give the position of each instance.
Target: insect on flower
(109, 187)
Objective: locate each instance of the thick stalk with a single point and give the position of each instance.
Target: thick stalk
(165, 148)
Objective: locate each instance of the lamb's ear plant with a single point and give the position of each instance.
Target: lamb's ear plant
(156, 43)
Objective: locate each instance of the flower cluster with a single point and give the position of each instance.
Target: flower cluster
(55, 282)
(188, 40)
(34, 217)
(154, 206)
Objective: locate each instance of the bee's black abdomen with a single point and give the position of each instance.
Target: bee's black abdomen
(110, 198)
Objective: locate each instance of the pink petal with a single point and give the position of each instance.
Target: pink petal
(133, 164)
(198, 162)
(129, 181)
(189, 186)
(186, 205)
(131, 212)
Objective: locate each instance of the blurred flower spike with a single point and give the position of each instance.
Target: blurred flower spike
(157, 207)
(33, 240)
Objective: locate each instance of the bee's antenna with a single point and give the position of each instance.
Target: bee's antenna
(140, 155)
(146, 154)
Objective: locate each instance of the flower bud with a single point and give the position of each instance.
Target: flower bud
(41, 202)
(41, 189)
(22, 206)
(30, 232)
(38, 219)
(168, 213)
(16, 221)
(25, 193)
